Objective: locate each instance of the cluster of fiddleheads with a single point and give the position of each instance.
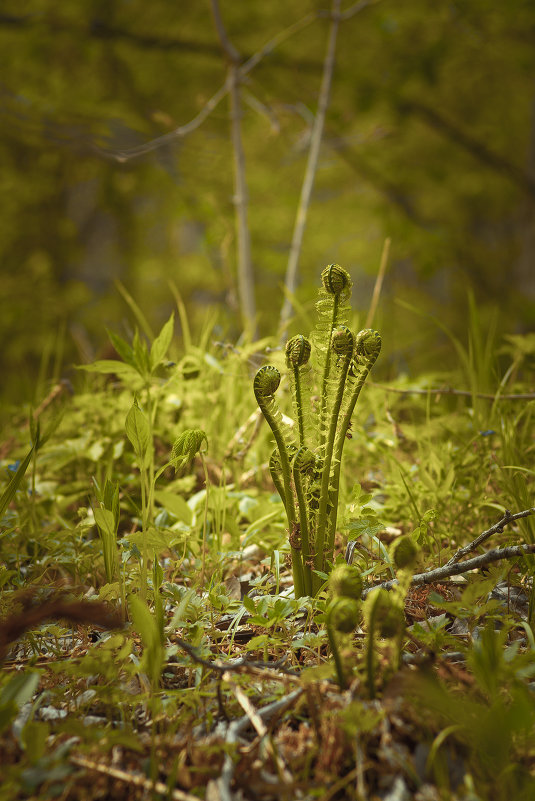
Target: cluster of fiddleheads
(306, 468)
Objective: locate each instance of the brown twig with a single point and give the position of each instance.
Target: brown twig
(245, 269)
(183, 130)
(455, 569)
(439, 573)
(497, 528)
(134, 779)
(378, 283)
(290, 280)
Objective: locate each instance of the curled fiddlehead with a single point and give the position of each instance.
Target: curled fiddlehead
(265, 384)
(332, 310)
(335, 280)
(297, 356)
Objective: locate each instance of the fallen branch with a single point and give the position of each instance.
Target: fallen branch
(497, 528)
(222, 785)
(440, 573)
(135, 779)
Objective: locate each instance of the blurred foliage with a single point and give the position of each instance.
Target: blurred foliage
(430, 140)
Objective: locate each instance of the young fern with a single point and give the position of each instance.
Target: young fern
(308, 477)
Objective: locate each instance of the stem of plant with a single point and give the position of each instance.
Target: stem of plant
(326, 474)
(304, 528)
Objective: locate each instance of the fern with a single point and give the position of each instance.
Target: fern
(307, 476)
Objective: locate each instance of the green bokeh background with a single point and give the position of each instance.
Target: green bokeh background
(429, 140)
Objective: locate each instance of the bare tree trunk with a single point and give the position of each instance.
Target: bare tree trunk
(245, 269)
(312, 165)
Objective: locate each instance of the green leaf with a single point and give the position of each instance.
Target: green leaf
(161, 344)
(122, 347)
(147, 628)
(138, 432)
(105, 520)
(153, 539)
(109, 366)
(175, 505)
(19, 689)
(12, 487)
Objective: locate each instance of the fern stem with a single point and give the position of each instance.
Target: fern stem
(265, 384)
(338, 453)
(367, 350)
(326, 371)
(326, 474)
(299, 466)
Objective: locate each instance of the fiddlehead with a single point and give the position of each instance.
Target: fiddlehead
(332, 311)
(266, 383)
(297, 355)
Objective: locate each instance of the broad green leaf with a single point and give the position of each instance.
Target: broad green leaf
(138, 432)
(122, 347)
(141, 355)
(19, 689)
(105, 520)
(147, 627)
(161, 344)
(153, 538)
(175, 504)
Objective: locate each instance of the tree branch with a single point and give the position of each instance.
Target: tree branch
(497, 528)
(290, 280)
(183, 130)
(440, 573)
(245, 269)
(478, 149)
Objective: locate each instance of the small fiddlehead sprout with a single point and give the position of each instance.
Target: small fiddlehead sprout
(384, 616)
(297, 351)
(404, 553)
(342, 341)
(367, 347)
(297, 355)
(266, 382)
(346, 580)
(335, 279)
(342, 618)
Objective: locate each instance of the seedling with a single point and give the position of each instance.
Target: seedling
(306, 472)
